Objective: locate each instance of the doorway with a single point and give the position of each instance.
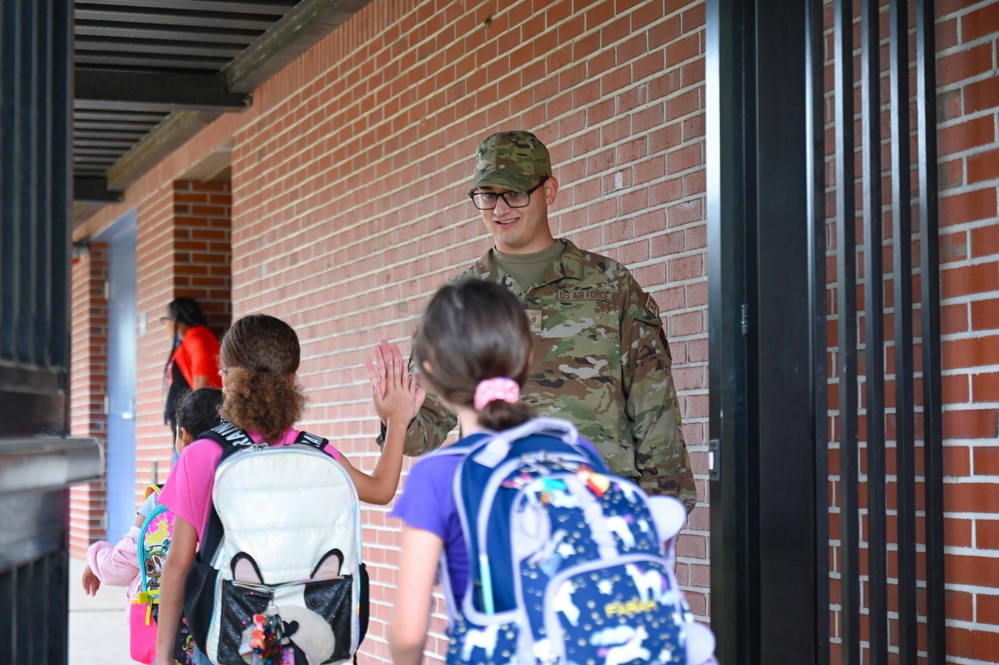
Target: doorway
(120, 290)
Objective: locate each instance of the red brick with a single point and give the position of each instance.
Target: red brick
(984, 316)
(981, 96)
(970, 424)
(988, 609)
(971, 644)
(987, 534)
(980, 23)
(986, 460)
(969, 280)
(983, 166)
(956, 67)
(967, 135)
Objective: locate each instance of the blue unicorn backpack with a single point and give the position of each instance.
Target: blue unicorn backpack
(567, 562)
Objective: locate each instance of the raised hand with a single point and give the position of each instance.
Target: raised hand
(397, 393)
(388, 359)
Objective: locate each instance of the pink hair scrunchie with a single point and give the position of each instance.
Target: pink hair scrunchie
(498, 388)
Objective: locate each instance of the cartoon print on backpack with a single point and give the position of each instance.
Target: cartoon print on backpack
(292, 617)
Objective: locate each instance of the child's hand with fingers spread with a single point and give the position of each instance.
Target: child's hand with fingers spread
(398, 395)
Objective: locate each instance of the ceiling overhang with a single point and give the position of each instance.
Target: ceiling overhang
(150, 74)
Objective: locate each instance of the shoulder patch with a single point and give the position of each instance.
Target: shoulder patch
(651, 306)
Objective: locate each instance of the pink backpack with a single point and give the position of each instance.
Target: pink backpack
(152, 546)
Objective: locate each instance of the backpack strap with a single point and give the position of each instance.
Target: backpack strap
(316, 442)
(232, 439)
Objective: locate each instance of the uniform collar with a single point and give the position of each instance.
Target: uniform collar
(568, 265)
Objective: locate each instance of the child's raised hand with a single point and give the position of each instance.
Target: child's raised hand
(90, 582)
(397, 394)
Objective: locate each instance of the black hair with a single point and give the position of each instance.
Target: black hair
(474, 330)
(187, 311)
(198, 410)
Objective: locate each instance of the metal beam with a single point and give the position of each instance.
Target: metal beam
(274, 7)
(93, 190)
(176, 130)
(128, 90)
(166, 17)
(294, 34)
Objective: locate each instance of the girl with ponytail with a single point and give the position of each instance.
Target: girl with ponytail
(259, 359)
(473, 350)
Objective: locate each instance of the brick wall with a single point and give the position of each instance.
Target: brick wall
(183, 251)
(348, 210)
(88, 385)
(968, 97)
(968, 101)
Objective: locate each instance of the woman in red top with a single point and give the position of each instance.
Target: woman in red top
(194, 355)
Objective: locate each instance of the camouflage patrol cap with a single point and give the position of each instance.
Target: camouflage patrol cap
(513, 160)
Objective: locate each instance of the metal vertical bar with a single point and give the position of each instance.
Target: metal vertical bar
(818, 281)
(849, 558)
(25, 220)
(42, 220)
(930, 312)
(61, 187)
(870, 74)
(902, 260)
(10, 129)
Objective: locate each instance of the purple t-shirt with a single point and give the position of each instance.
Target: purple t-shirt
(427, 503)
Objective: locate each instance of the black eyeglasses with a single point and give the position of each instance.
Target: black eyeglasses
(488, 200)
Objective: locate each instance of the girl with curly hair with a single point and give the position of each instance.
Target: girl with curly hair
(259, 358)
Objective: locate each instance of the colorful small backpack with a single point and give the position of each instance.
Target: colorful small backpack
(567, 563)
(152, 545)
(151, 548)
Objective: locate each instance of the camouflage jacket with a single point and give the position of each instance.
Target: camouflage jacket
(601, 361)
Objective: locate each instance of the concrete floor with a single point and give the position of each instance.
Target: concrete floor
(98, 625)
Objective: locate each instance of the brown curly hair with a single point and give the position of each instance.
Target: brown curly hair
(260, 355)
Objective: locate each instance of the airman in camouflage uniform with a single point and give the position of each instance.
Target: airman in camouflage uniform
(601, 359)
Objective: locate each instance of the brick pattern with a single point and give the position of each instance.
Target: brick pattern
(88, 385)
(968, 96)
(968, 103)
(347, 211)
(183, 250)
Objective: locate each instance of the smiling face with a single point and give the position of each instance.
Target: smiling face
(521, 230)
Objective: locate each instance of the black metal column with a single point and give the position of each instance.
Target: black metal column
(762, 407)
(929, 267)
(37, 460)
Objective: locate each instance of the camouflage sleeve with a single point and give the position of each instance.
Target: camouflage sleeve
(652, 404)
(428, 430)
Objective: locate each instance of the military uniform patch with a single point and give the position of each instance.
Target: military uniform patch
(534, 317)
(651, 306)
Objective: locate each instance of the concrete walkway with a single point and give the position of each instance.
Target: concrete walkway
(98, 625)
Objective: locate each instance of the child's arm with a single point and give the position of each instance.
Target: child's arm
(407, 631)
(182, 549)
(116, 564)
(395, 404)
